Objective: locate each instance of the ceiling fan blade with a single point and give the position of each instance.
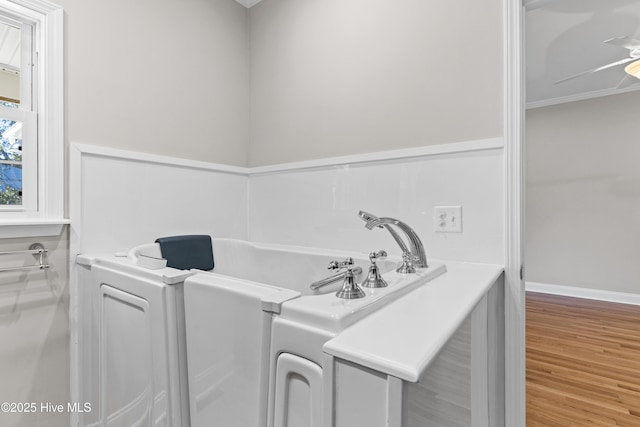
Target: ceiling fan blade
(627, 81)
(595, 70)
(625, 42)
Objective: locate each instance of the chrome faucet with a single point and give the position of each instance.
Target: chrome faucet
(350, 289)
(332, 279)
(415, 252)
(374, 279)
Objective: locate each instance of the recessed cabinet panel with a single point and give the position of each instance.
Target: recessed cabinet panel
(126, 381)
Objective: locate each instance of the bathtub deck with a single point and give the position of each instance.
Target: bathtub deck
(404, 337)
(583, 362)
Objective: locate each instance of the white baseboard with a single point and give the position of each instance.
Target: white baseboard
(594, 294)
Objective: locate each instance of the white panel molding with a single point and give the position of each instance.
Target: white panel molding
(514, 109)
(385, 156)
(76, 153)
(586, 293)
(79, 151)
(80, 154)
(581, 97)
(115, 153)
(375, 157)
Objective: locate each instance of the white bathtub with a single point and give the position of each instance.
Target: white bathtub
(289, 267)
(255, 330)
(295, 268)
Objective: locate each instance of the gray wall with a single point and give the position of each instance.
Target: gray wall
(334, 77)
(159, 76)
(583, 194)
(34, 331)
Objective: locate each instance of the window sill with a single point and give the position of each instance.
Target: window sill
(31, 227)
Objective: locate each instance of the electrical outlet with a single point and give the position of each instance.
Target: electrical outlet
(447, 219)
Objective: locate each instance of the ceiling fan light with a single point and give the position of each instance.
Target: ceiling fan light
(633, 69)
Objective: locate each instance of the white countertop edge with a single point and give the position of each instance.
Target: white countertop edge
(364, 342)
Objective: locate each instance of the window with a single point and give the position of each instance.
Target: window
(18, 161)
(10, 157)
(31, 120)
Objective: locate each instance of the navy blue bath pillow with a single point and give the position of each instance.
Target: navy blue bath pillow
(187, 252)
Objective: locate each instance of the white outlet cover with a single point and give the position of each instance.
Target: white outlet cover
(447, 219)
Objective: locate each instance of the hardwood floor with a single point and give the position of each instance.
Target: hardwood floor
(583, 362)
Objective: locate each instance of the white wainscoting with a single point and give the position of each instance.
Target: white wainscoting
(317, 203)
(120, 199)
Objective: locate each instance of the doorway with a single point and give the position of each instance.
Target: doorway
(582, 187)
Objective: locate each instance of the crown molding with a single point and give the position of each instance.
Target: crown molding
(248, 3)
(581, 97)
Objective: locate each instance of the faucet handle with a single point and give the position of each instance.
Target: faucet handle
(339, 265)
(408, 256)
(374, 279)
(377, 256)
(350, 289)
(407, 263)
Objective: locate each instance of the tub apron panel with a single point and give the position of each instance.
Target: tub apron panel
(228, 340)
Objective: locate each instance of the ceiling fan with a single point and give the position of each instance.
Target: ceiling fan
(632, 70)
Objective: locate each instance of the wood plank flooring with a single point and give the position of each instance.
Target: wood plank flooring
(583, 362)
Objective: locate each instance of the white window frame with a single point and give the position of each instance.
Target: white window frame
(44, 215)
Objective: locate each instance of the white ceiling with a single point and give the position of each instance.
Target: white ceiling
(565, 37)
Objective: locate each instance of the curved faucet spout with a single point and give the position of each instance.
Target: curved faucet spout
(370, 218)
(366, 216)
(416, 247)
